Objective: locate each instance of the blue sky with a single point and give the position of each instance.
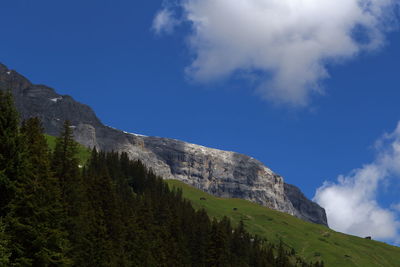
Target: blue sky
(108, 55)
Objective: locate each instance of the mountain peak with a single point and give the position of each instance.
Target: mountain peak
(221, 173)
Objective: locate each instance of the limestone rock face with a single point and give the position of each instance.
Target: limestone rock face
(85, 134)
(221, 173)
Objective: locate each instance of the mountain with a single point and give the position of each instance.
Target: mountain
(220, 173)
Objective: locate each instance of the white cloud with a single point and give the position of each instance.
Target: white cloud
(164, 22)
(351, 203)
(291, 40)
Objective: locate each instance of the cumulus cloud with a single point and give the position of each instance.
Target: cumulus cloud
(289, 41)
(351, 203)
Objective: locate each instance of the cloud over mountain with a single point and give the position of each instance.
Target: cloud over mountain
(351, 203)
(286, 43)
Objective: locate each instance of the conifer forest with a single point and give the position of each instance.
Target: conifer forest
(110, 211)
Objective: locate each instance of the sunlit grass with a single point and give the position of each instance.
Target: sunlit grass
(311, 241)
(83, 152)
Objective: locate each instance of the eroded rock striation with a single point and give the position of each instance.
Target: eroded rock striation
(221, 173)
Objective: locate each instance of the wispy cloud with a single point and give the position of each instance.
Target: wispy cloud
(164, 22)
(396, 207)
(351, 202)
(293, 41)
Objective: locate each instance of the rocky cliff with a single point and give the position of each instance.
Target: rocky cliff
(221, 173)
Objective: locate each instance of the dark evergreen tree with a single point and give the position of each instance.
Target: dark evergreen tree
(11, 150)
(65, 166)
(104, 233)
(34, 220)
(282, 258)
(4, 246)
(218, 249)
(240, 241)
(201, 235)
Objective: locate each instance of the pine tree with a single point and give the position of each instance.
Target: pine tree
(11, 151)
(281, 259)
(200, 238)
(52, 242)
(65, 166)
(4, 246)
(37, 236)
(218, 250)
(239, 244)
(105, 229)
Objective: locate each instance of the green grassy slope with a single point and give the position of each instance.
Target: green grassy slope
(83, 152)
(311, 241)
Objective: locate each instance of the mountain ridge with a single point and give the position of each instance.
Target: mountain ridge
(220, 173)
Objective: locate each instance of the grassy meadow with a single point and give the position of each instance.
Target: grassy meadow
(311, 241)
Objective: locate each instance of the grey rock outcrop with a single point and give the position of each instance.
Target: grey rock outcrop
(43, 102)
(221, 173)
(304, 208)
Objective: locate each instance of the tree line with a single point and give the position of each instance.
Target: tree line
(111, 212)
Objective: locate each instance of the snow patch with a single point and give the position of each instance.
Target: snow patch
(8, 72)
(141, 135)
(55, 100)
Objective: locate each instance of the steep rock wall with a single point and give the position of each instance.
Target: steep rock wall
(221, 173)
